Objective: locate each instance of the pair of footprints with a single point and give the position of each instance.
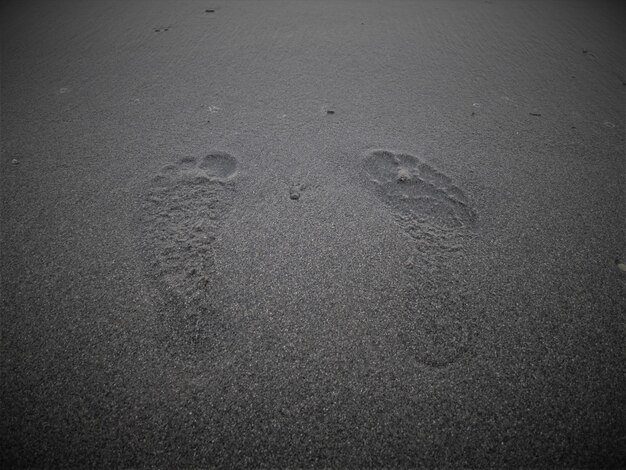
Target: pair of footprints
(187, 200)
(414, 190)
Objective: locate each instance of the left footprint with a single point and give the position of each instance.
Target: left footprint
(181, 215)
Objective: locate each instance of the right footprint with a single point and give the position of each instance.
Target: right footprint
(437, 215)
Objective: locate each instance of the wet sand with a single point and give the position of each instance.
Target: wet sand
(313, 234)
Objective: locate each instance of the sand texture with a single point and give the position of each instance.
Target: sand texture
(330, 234)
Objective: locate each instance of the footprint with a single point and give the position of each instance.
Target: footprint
(438, 216)
(417, 193)
(181, 214)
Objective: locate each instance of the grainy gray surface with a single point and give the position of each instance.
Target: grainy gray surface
(313, 234)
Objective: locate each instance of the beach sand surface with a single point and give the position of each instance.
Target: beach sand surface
(313, 234)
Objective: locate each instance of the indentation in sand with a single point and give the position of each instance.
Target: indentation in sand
(417, 192)
(437, 215)
(181, 215)
(295, 191)
(219, 165)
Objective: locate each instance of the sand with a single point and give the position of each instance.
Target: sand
(313, 234)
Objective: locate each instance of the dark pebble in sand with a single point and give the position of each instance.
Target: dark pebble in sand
(330, 111)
